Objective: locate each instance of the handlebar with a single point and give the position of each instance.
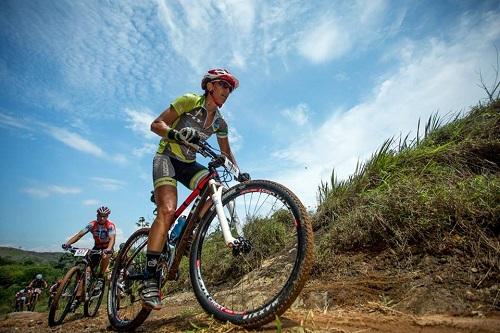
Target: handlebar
(218, 160)
(91, 251)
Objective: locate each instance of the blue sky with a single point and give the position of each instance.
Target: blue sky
(323, 84)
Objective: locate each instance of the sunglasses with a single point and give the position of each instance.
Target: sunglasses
(225, 85)
(99, 215)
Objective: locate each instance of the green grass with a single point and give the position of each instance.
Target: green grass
(419, 193)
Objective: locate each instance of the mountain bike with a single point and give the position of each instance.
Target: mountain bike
(250, 252)
(80, 285)
(33, 299)
(21, 300)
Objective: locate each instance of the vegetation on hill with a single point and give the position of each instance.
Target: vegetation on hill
(436, 195)
(18, 268)
(18, 255)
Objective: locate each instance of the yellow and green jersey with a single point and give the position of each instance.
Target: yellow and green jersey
(191, 112)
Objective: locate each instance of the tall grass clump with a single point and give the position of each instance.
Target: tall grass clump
(438, 191)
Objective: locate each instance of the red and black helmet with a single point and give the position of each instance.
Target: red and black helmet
(219, 74)
(103, 211)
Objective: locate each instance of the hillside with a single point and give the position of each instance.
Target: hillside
(19, 267)
(417, 226)
(17, 255)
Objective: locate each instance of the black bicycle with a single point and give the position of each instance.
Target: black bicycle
(81, 284)
(250, 252)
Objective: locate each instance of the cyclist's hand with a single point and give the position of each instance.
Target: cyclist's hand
(65, 246)
(108, 251)
(243, 177)
(189, 135)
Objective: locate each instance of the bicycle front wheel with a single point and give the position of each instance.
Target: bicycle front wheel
(249, 288)
(64, 297)
(95, 293)
(125, 311)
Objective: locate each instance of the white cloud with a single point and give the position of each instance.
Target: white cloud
(140, 122)
(323, 41)
(248, 32)
(235, 139)
(299, 114)
(120, 237)
(119, 158)
(371, 11)
(109, 184)
(62, 135)
(90, 202)
(9, 121)
(63, 189)
(440, 76)
(74, 141)
(146, 149)
(48, 190)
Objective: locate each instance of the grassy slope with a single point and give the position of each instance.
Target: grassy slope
(436, 197)
(17, 255)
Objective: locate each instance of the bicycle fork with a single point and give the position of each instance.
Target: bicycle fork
(239, 244)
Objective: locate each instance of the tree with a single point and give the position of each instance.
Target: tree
(142, 223)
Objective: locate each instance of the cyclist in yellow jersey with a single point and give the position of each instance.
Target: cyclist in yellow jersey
(188, 118)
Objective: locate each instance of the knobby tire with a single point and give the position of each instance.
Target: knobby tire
(74, 271)
(217, 283)
(91, 305)
(123, 261)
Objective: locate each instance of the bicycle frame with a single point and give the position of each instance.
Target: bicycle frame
(209, 187)
(84, 264)
(206, 187)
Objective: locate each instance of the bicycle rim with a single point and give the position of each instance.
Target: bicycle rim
(94, 298)
(64, 297)
(125, 311)
(251, 289)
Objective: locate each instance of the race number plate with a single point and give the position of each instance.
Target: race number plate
(81, 252)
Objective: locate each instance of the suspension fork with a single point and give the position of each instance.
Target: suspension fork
(217, 202)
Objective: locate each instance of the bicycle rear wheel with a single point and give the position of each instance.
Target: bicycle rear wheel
(64, 297)
(33, 301)
(94, 298)
(250, 289)
(125, 311)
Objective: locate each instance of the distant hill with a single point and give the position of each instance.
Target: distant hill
(19, 256)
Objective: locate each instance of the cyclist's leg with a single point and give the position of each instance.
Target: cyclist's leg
(165, 192)
(104, 266)
(166, 200)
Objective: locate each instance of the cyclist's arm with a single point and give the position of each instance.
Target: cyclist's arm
(226, 149)
(111, 242)
(163, 123)
(77, 237)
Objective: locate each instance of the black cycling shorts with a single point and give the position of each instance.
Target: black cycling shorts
(168, 170)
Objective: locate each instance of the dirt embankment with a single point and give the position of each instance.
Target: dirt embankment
(367, 292)
(313, 312)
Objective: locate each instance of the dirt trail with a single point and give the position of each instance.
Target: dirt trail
(183, 314)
